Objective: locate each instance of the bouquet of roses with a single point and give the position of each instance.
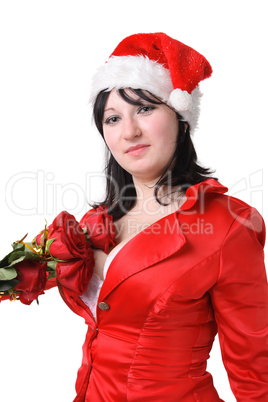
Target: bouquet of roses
(61, 253)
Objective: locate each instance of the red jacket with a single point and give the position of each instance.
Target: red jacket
(167, 292)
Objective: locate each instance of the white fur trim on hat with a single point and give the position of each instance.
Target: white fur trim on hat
(180, 100)
(191, 116)
(139, 72)
(132, 72)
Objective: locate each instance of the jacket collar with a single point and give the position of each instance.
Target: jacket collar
(157, 242)
(198, 192)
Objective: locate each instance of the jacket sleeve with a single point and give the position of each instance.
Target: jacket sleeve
(240, 302)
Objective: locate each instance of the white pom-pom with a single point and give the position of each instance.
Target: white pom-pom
(180, 100)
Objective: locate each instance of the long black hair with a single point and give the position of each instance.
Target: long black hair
(183, 169)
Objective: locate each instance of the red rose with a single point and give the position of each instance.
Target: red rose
(65, 241)
(75, 274)
(69, 239)
(39, 239)
(32, 278)
(68, 244)
(100, 228)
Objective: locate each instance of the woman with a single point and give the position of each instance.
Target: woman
(188, 262)
(181, 262)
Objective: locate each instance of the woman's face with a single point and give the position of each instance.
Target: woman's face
(143, 138)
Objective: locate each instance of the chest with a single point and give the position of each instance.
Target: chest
(129, 226)
(142, 217)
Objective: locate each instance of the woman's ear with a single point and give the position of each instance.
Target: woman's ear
(186, 125)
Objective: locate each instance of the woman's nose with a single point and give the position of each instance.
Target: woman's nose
(131, 128)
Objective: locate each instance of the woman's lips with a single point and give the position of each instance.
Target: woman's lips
(137, 149)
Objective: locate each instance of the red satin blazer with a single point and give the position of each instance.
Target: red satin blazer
(167, 293)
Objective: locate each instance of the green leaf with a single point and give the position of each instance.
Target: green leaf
(19, 253)
(16, 257)
(48, 244)
(7, 285)
(52, 265)
(17, 246)
(4, 261)
(24, 250)
(22, 255)
(7, 274)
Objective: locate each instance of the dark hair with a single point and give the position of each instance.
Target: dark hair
(183, 169)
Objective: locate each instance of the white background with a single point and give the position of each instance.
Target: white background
(51, 154)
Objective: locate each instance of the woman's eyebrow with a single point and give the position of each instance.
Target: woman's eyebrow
(110, 108)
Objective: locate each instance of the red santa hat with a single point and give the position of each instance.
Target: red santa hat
(159, 64)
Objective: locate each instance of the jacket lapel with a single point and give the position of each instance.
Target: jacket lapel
(157, 242)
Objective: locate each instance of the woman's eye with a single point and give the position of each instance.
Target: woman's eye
(111, 120)
(146, 109)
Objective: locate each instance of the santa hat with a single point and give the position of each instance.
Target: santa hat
(159, 64)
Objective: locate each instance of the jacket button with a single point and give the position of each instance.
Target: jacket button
(104, 306)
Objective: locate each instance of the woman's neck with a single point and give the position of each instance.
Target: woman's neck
(170, 198)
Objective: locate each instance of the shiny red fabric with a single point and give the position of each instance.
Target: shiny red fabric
(170, 289)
